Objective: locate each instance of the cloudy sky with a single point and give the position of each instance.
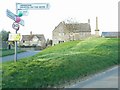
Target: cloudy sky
(44, 21)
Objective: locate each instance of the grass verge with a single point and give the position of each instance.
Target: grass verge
(60, 64)
(6, 52)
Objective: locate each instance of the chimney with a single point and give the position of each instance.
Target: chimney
(63, 22)
(30, 32)
(88, 21)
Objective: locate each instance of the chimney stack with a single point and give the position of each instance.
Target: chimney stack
(30, 32)
(88, 21)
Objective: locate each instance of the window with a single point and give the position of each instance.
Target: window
(61, 34)
(61, 41)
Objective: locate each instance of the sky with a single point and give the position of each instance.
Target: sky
(44, 21)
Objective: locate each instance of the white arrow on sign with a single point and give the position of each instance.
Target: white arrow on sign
(13, 17)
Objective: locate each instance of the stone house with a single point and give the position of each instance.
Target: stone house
(70, 31)
(37, 40)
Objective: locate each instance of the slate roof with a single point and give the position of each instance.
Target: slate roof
(75, 27)
(78, 27)
(30, 37)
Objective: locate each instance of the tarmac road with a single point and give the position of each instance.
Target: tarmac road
(107, 79)
(19, 56)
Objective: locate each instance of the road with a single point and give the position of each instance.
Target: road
(107, 79)
(19, 56)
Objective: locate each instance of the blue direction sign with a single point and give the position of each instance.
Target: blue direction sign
(24, 12)
(24, 7)
(13, 17)
(22, 22)
(32, 6)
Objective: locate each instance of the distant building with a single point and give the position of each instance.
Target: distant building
(110, 34)
(33, 40)
(71, 31)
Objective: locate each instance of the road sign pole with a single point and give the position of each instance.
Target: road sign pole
(16, 27)
(15, 58)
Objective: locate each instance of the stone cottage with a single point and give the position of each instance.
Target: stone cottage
(70, 31)
(37, 40)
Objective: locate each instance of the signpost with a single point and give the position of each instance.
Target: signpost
(15, 25)
(10, 15)
(24, 12)
(24, 7)
(14, 37)
(32, 6)
(13, 17)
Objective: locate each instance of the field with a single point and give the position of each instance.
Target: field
(61, 64)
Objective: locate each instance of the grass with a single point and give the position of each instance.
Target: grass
(6, 52)
(61, 64)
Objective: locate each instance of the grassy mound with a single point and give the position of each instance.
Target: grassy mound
(61, 64)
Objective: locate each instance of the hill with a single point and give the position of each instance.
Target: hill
(61, 64)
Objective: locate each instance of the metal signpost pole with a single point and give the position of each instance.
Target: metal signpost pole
(15, 58)
(15, 49)
(16, 27)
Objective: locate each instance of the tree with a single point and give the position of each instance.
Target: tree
(4, 35)
(49, 42)
(4, 39)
